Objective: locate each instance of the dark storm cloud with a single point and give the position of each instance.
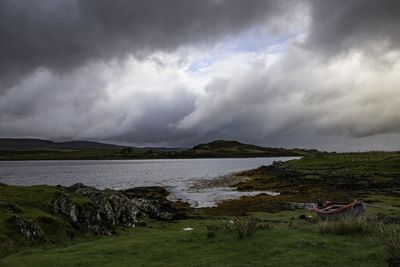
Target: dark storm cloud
(61, 35)
(342, 25)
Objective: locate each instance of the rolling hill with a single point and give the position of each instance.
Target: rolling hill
(39, 144)
(37, 149)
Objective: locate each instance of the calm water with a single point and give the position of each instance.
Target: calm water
(178, 175)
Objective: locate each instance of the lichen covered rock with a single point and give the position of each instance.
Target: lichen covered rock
(111, 208)
(64, 205)
(108, 209)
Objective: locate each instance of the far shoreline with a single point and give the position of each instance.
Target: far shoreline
(136, 159)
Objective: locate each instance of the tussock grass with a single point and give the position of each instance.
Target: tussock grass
(389, 236)
(346, 226)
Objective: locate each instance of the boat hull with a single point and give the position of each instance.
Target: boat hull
(354, 209)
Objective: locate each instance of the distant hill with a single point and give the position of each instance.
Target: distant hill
(37, 149)
(163, 149)
(228, 145)
(39, 144)
(225, 148)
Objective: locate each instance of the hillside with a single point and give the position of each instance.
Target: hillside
(39, 144)
(225, 148)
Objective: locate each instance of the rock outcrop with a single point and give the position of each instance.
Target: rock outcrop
(44, 214)
(153, 202)
(108, 209)
(112, 207)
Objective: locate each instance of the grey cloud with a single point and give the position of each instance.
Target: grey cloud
(317, 105)
(61, 35)
(155, 125)
(340, 26)
(321, 105)
(58, 64)
(92, 103)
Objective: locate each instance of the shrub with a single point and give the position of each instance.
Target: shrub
(389, 235)
(211, 230)
(244, 226)
(345, 226)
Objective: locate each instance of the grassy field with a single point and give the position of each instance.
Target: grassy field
(166, 244)
(363, 170)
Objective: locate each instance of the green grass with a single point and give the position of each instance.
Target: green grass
(362, 169)
(164, 244)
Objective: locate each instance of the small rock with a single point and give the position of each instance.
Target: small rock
(306, 218)
(64, 205)
(302, 206)
(13, 208)
(30, 230)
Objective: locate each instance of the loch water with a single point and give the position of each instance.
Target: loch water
(178, 175)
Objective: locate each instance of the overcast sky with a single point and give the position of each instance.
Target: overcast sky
(314, 74)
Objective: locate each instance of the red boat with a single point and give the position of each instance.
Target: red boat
(334, 210)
